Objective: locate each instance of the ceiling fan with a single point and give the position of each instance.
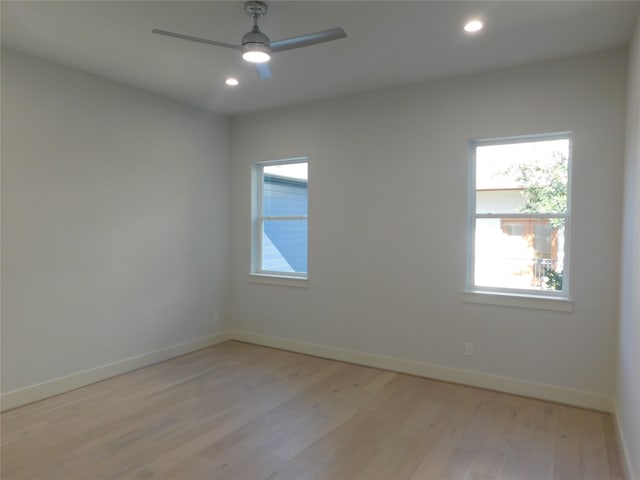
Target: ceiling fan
(256, 46)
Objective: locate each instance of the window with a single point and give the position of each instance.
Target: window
(280, 218)
(519, 216)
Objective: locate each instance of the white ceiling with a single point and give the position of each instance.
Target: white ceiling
(389, 43)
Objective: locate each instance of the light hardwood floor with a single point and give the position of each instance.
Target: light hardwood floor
(243, 412)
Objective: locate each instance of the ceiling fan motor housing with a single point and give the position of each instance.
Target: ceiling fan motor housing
(255, 40)
(255, 37)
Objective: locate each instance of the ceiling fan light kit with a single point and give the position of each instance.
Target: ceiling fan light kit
(256, 46)
(256, 55)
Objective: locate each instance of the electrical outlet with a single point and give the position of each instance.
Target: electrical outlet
(216, 318)
(468, 348)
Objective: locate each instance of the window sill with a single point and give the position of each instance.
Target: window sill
(519, 301)
(281, 280)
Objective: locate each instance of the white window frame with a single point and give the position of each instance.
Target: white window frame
(257, 274)
(516, 297)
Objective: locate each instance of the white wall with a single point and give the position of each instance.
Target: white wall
(628, 385)
(388, 176)
(115, 222)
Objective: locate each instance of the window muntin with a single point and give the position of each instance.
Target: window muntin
(519, 212)
(281, 220)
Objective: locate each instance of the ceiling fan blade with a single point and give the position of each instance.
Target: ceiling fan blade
(196, 39)
(306, 40)
(263, 69)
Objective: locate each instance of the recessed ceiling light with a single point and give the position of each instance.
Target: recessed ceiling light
(232, 82)
(473, 26)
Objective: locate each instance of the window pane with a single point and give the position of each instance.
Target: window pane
(526, 177)
(284, 246)
(285, 190)
(519, 253)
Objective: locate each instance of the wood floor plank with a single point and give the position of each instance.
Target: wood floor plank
(492, 453)
(616, 470)
(242, 412)
(567, 454)
(593, 448)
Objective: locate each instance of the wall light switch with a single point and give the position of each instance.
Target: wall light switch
(468, 348)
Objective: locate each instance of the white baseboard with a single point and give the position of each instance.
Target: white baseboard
(56, 386)
(626, 454)
(515, 386)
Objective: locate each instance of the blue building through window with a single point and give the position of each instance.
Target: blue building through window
(284, 213)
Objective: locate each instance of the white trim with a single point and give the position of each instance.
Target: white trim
(293, 217)
(527, 138)
(558, 304)
(282, 280)
(533, 216)
(59, 385)
(473, 215)
(578, 398)
(515, 386)
(626, 454)
(257, 218)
